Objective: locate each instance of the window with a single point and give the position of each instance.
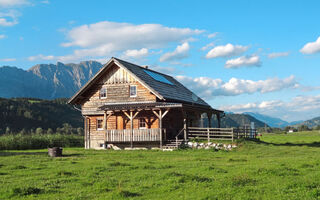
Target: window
(99, 124)
(142, 123)
(133, 90)
(103, 93)
(158, 77)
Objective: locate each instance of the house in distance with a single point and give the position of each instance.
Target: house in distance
(130, 106)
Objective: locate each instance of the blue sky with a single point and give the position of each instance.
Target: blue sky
(259, 56)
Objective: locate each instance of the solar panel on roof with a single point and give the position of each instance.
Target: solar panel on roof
(158, 77)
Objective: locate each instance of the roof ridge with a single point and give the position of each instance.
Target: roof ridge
(141, 67)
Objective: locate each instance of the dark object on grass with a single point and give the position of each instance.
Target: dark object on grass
(55, 151)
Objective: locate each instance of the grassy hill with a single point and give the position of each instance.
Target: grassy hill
(26, 113)
(280, 166)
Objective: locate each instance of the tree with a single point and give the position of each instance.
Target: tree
(39, 130)
(67, 128)
(303, 128)
(80, 131)
(49, 131)
(8, 131)
(23, 132)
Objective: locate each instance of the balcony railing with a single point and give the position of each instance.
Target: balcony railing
(138, 135)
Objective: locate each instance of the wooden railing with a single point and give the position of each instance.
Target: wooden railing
(221, 133)
(138, 135)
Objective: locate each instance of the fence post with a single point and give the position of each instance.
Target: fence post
(232, 134)
(208, 134)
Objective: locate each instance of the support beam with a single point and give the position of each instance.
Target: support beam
(89, 136)
(105, 119)
(160, 116)
(131, 117)
(160, 121)
(85, 133)
(219, 120)
(185, 126)
(209, 115)
(131, 126)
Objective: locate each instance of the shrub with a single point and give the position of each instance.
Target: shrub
(39, 141)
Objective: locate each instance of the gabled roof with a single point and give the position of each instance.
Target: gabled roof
(174, 92)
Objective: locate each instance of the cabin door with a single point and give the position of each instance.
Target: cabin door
(120, 122)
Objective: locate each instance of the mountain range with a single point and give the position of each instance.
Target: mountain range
(46, 81)
(272, 121)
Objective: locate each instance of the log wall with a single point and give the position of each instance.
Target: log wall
(117, 82)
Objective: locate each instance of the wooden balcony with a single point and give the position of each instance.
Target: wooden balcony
(137, 135)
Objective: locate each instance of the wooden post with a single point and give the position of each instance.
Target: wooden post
(209, 115)
(184, 113)
(160, 124)
(131, 127)
(160, 117)
(232, 134)
(131, 117)
(89, 136)
(208, 134)
(219, 120)
(85, 133)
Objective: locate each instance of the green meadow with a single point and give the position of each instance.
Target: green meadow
(278, 166)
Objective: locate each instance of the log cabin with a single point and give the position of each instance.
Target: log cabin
(131, 106)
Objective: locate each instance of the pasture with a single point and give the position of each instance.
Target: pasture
(285, 166)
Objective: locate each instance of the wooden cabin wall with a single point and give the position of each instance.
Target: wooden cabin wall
(117, 121)
(117, 82)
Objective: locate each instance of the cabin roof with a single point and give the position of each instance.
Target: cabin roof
(163, 89)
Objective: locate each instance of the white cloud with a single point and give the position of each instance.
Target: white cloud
(278, 54)
(12, 3)
(179, 53)
(134, 53)
(2, 36)
(209, 88)
(5, 22)
(123, 36)
(106, 39)
(7, 59)
(207, 46)
(252, 60)
(41, 57)
(212, 35)
(226, 51)
(298, 108)
(311, 47)
(45, 2)
(9, 18)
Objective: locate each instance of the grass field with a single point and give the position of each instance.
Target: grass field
(277, 167)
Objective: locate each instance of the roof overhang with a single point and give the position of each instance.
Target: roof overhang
(139, 106)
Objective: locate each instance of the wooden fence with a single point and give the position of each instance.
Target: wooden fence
(221, 133)
(138, 135)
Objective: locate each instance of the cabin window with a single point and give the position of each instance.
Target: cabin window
(103, 93)
(99, 124)
(142, 123)
(133, 90)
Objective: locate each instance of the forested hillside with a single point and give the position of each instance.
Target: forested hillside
(26, 114)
